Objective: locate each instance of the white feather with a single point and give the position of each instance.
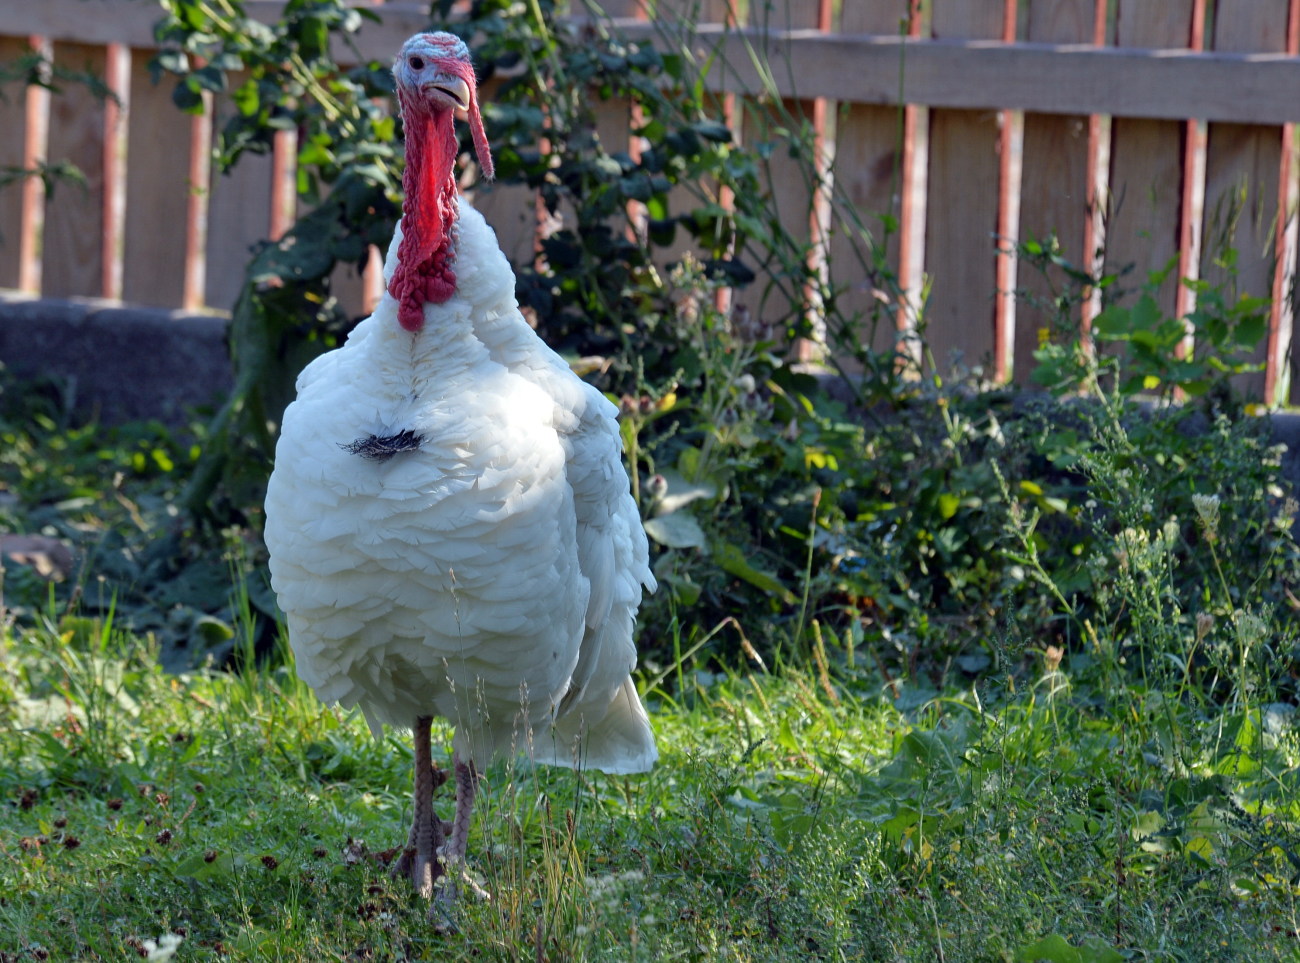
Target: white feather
(490, 577)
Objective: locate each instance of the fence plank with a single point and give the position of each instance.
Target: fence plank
(691, 11)
(17, 233)
(963, 206)
(1146, 176)
(870, 156)
(72, 254)
(868, 177)
(1054, 183)
(157, 191)
(239, 213)
(874, 16)
(864, 69)
(1243, 166)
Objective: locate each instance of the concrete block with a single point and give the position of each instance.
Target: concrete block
(122, 363)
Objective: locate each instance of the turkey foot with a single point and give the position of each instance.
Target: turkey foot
(421, 860)
(452, 852)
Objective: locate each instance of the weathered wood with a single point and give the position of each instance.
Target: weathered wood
(1145, 228)
(355, 286)
(17, 232)
(874, 16)
(974, 74)
(691, 11)
(157, 191)
(239, 215)
(72, 256)
(1243, 166)
(868, 174)
(117, 75)
(962, 220)
(788, 199)
(868, 182)
(1054, 186)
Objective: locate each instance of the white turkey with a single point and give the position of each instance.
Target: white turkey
(449, 522)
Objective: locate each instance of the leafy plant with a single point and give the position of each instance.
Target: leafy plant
(1137, 345)
(33, 69)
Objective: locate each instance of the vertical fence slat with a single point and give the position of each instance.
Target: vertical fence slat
(1143, 228)
(238, 217)
(239, 213)
(1283, 375)
(1010, 151)
(157, 191)
(117, 74)
(870, 158)
(72, 253)
(1283, 361)
(19, 150)
(1243, 167)
(962, 208)
(1054, 182)
(790, 188)
(511, 209)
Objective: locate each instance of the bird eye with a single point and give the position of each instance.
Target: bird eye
(417, 63)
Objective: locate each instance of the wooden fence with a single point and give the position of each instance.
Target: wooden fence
(1150, 131)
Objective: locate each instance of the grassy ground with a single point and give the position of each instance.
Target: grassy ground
(1131, 793)
(799, 815)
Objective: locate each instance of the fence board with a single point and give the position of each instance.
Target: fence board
(1243, 165)
(1054, 182)
(14, 151)
(874, 16)
(239, 213)
(967, 74)
(72, 256)
(1144, 227)
(867, 176)
(157, 191)
(963, 206)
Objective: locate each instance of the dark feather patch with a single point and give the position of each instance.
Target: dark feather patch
(382, 448)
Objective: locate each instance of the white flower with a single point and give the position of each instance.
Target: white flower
(1207, 509)
(164, 948)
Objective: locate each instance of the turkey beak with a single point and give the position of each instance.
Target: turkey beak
(455, 90)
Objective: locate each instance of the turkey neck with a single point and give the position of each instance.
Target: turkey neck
(424, 266)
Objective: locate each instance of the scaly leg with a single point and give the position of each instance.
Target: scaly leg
(420, 859)
(458, 839)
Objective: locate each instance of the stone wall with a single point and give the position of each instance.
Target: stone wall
(121, 363)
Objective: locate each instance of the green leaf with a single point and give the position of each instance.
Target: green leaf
(245, 98)
(712, 130)
(731, 559)
(1056, 949)
(678, 530)
(948, 505)
(681, 492)
(1250, 330)
(210, 78)
(187, 98)
(313, 38)
(684, 591)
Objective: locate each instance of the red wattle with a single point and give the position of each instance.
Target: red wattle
(424, 271)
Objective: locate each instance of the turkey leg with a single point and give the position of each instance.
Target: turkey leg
(420, 859)
(458, 838)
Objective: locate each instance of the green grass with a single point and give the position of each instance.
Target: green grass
(803, 815)
(1113, 780)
